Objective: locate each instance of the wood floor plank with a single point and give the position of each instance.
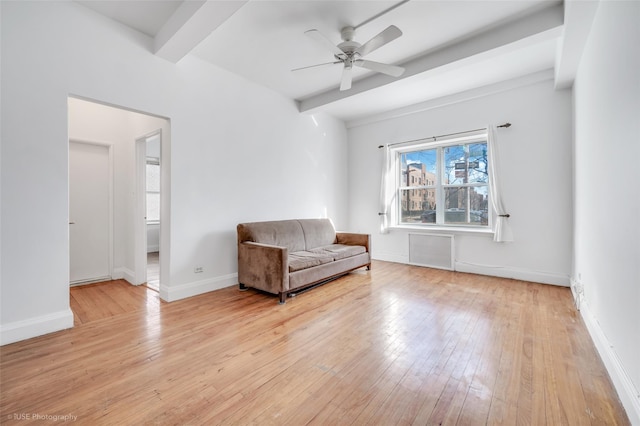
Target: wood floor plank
(395, 345)
(476, 406)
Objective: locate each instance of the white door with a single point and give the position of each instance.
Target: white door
(89, 218)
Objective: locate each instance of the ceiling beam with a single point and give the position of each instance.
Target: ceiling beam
(191, 23)
(542, 24)
(578, 17)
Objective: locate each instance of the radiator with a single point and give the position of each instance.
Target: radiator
(432, 250)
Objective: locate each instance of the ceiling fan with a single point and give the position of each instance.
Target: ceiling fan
(350, 53)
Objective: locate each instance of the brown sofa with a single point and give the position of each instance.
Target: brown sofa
(286, 256)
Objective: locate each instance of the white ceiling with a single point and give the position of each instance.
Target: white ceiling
(146, 16)
(446, 47)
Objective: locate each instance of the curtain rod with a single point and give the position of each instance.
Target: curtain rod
(505, 125)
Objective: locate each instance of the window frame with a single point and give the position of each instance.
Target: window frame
(439, 145)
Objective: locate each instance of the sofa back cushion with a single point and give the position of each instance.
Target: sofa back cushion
(317, 232)
(283, 233)
(296, 235)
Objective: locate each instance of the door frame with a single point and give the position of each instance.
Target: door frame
(110, 189)
(140, 223)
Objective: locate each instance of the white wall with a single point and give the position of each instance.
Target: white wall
(239, 152)
(607, 193)
(535, 177)
(92, 122)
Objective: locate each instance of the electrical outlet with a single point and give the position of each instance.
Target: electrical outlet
(198, 270)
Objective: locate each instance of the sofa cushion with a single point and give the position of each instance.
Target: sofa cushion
(317, 232)
(322, 272)
(305, 259)
(282, 233)
(339, 251)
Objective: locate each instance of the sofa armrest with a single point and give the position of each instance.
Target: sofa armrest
(352, 239)
(263, 266)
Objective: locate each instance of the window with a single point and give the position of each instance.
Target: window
(443, 183)
(153, 190)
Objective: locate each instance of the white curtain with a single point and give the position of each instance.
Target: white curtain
(386, 190)
(502, 229)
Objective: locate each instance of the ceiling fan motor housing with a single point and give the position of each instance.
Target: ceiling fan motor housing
(347, 33)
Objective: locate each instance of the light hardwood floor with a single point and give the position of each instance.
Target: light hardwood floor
(396, 345)
(153, 270)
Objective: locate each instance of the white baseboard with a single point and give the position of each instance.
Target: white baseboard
(124, 273)
(576, 292)
(514, 273)
(389, 257)
(33, 327)
(628, 394)
(503, 272)
(182, 291)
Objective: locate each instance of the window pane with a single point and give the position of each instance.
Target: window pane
(153, 177)
(466, 164)
(455, 166)
(479, 205)
(418, 168)
(455, 205)
(467, 205)
(414, 202)
(478, 171)
(153, 207)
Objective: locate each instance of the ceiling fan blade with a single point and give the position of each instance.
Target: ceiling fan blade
(391, 70)
(317, 65)
(391, 33)
(345, 84)
(322, 39)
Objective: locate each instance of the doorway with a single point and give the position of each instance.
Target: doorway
(148, 173)
(119, 129)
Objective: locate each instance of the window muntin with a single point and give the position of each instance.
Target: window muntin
(443, 184)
